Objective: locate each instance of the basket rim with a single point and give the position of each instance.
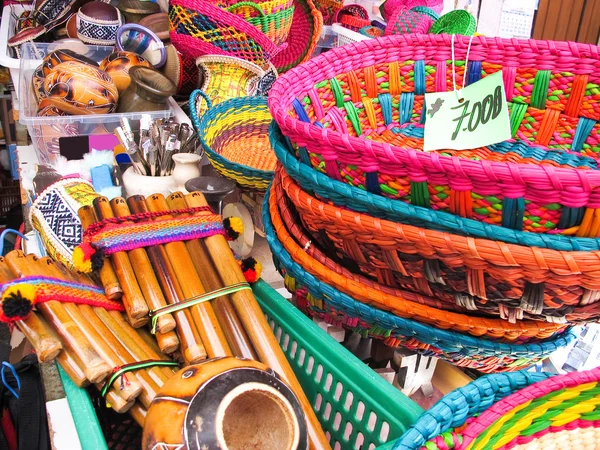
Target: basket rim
(445, 340)
(339, 61)
(304, 173)
(462, 322)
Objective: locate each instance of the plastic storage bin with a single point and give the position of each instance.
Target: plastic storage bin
(45, 131)
(7, 29)
(357, 408)
(346, 36)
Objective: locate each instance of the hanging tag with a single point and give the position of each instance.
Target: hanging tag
(480, 119)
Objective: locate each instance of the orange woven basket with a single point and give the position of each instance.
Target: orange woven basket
(401, 303)
(557, 286)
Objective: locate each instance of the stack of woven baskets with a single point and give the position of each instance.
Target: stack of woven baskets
(486, 257)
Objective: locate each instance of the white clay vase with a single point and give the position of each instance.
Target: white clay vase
(136, 184)
(186, 168)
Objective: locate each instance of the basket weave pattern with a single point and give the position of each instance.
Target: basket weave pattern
(358, 118)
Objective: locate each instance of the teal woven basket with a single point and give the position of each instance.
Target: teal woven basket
(234, 134)
(354, 405)
(317, 298)
(343, 194)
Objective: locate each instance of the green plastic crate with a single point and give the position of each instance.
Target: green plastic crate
(356, 407)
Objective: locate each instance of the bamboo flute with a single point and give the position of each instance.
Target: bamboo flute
(138, 413)
(45, 342)
(133, 299)
(94, 367)
(72, 366)
(226, 315)
(145, 274)
(204, 316)
(145, 351)
(156, 374)
(256, 325)
(151, 342)
(107, 274)
(99, 338)
(191, 345)
(168, 342)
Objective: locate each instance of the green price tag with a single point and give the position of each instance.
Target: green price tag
(473, 117)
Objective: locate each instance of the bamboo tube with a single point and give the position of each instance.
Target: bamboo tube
(138, 413)
(151, 342)
(168, 342)
(99, 338)
(256, 325)
(145, 351)
(45, 342)
(154, 374)
(107, 274)
(224, 310)
(204, 316)
(133, 299)
(190, 341)
(115, 401)
(73, 367)
(145, 274)
(93, 365)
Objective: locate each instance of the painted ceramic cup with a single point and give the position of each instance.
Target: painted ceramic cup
(228, 404)
(149, 91)
(117, 66)
(78, 88)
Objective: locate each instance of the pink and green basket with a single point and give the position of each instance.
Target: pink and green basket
(356, 114)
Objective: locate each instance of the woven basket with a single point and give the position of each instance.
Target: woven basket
(440, 310)
(548, 284)
(235, 136)
(198, 27)
(405, 21)
(317, 298)
(329, 9)
(345, 195)
(275, 24)
(545, 180)
(226, 77)
(305, 32)
(520, 410)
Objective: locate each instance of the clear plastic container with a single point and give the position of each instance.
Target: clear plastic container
(46, 131)
(10, 13)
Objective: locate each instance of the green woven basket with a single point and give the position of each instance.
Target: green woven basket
(356, 407)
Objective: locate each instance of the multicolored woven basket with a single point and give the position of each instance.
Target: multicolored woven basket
(440, 310)
(404, 21)
(235, 136)
(329, 9)
(275, 23)
(305, 32)
(354, 198)
(198, 27)
(319, 299)
(360, 122)
(520, 410)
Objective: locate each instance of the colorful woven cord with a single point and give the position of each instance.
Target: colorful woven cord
(127, 233)
(458, 21)
(119, 372)
(20, 296)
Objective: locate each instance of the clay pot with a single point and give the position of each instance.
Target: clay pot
(78, 88)
(149, 91)
(56, 57)
(117, 65)
(135, 10)
(226, 404)
(157, 23)
(72, 27)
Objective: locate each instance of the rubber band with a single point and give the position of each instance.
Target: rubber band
(156, 313)
(122, 370)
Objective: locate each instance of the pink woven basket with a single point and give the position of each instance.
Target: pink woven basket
(368, 101)
(198, 27)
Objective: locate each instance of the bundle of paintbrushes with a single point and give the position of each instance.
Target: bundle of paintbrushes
(171, 260)
(77, 324)
(159, 140)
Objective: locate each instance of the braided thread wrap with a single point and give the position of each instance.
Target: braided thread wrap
(18, 297)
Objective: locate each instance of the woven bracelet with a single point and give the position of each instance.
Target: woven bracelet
(120, 371)
(156, 313)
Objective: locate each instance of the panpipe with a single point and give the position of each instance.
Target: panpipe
(90, 342)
